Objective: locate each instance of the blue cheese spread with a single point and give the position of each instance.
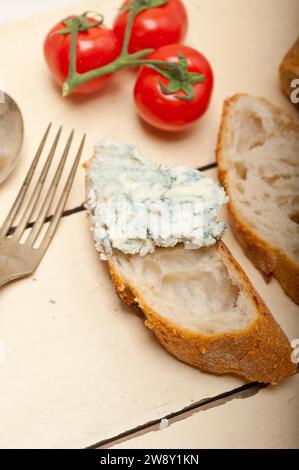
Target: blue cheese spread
(136, 205)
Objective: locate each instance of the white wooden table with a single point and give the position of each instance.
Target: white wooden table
(78, 368)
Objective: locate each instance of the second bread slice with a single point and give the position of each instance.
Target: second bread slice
(258, 161)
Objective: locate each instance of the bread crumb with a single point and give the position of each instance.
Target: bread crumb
(52, 301)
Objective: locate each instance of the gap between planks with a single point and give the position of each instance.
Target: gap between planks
(245, 391)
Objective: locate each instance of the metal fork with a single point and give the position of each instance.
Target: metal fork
(18, 259)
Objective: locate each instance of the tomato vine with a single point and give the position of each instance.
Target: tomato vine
(180, 79)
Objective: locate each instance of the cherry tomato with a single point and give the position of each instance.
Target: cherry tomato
(167, 111)
(155, 27)
(96, 47)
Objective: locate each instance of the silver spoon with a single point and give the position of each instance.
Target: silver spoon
(11, 134)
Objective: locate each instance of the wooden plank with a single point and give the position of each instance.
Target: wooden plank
(78, 368)
(236, 36)
(266, 420)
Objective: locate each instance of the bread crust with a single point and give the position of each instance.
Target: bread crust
(269, 259)
(260, 353)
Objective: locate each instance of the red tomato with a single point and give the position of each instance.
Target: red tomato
(168, 112)
(96, 47)
(155, 27)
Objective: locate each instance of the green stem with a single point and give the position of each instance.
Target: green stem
(161, 63)
(131, 58)
(76, 79)
(73, 55)
(125, 59)
(129, 27)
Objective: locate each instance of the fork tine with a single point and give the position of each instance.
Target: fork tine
(50, 195)
(37, 190)
(24, 188)
(62, 201)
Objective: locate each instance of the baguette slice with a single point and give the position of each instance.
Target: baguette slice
(203, 309)
(258, 162)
